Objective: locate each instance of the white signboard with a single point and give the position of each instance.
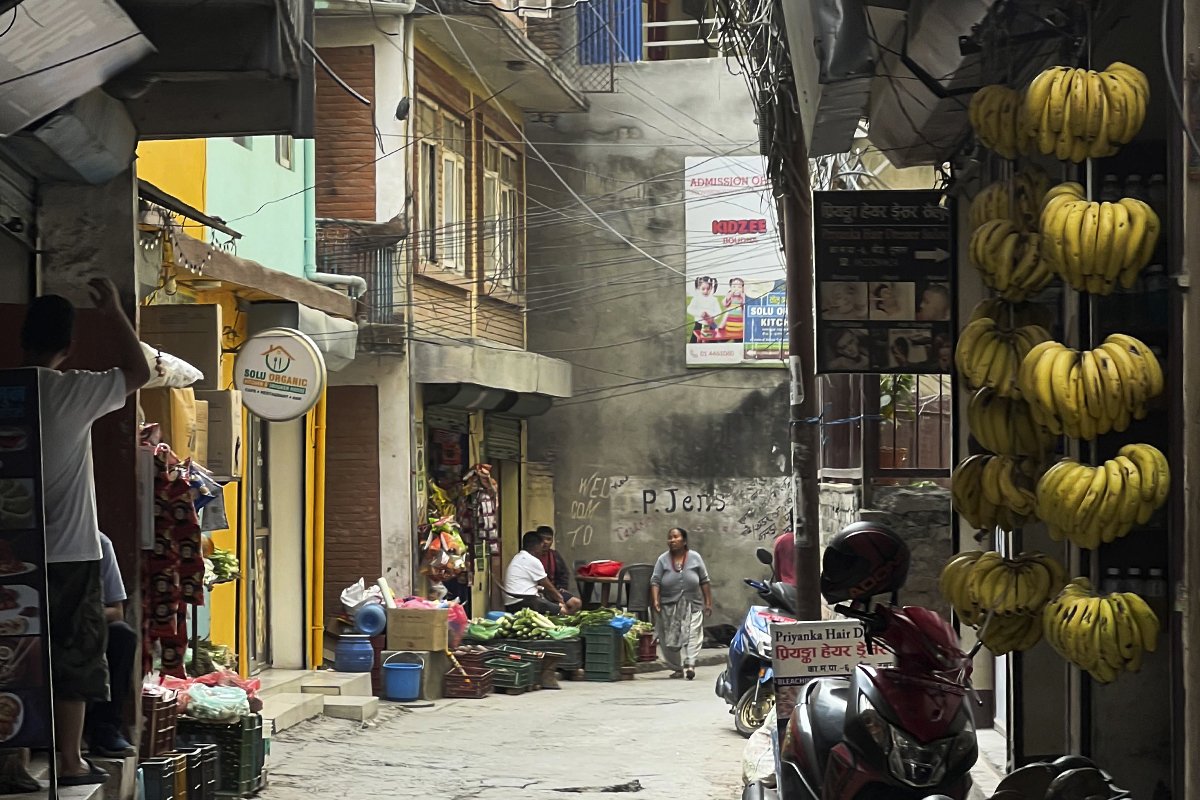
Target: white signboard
(280, 373)
(736, 303)
(807, 650)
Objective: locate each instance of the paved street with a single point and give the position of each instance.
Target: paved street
(674, 737)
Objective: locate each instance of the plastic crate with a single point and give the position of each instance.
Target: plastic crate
(158, 775)
(647, 647)
(512, 673)
(160, 713)
(473, 660)
(241, 751)
(477, 683)
(571, 651)
(210, 756)
(182, 784)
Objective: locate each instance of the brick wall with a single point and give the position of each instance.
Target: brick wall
(352, 526)
(345, 135)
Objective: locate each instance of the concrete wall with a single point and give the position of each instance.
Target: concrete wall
(260, 199)
(646, 444)
(840, 504)
(921, 516)
(395, 490)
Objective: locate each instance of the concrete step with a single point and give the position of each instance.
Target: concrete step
(338, 684)
(39, 768)
(359, 709)
(286, 710)
(280, 681)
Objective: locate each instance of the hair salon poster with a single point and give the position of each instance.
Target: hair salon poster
(885, 281)
(736, 304)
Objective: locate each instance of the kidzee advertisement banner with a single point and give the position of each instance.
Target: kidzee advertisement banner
(884, 268)
(736, 303)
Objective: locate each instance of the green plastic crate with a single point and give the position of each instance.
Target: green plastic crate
(511, 674)
(241, 751)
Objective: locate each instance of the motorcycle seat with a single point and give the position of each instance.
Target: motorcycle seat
(827, 715)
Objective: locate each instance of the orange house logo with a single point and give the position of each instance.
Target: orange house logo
(277, 359)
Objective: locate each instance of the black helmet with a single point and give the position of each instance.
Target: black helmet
(863, 560)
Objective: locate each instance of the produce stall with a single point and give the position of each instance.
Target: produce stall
(1068, 366)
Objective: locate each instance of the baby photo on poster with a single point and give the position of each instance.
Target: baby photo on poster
(934, 301)
(843, 300)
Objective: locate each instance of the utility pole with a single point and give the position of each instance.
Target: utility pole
(805, 430)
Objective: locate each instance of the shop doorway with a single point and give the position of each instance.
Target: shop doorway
(258, 528)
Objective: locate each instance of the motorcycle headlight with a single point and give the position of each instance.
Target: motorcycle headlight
(965, 746)
(873, 723)
(916, 764)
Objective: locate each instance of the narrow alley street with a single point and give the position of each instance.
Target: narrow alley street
(673, 737)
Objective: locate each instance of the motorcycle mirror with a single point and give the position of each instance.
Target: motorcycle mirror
(764, 556)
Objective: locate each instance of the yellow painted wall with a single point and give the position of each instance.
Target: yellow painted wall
(180, 168)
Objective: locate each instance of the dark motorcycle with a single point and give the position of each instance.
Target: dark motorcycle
(747, 684)
(895, 733)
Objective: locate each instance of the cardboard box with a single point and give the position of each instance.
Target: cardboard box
(175, 412)
(418, 629)
(200, 450)
(224, 433)
(191, 332)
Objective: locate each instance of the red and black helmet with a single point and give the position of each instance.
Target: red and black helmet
(863, 560)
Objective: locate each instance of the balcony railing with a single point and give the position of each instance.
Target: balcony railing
(662, 40)
(372, 252)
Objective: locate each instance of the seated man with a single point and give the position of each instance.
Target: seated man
(104, 720)
(525, 580)
(556, 570)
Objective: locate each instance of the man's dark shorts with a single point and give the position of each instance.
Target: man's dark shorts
(78, 631)
(539, 604)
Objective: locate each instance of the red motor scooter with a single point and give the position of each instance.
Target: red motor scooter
(896, 733)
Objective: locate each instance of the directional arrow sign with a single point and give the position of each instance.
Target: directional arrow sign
(937, 255)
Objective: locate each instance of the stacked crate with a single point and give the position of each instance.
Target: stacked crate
(242, 752)
(603, 653)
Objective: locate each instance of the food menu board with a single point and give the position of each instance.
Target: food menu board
(885, 281)
(25, 690)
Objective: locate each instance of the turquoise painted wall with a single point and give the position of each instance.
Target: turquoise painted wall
(241, 180)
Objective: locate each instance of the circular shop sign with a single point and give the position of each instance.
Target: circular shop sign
(281, 374)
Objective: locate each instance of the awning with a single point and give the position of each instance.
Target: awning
(489, 377)
(256, 282)
(501, 55)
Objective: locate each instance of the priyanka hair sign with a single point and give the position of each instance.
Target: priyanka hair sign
(281, 374)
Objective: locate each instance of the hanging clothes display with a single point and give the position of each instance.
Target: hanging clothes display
(173, 578)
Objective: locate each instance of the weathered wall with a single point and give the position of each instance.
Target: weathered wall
(646, 444)
(840, 505)
(921, 516)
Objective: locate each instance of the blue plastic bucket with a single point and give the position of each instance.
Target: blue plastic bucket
(371, 619)
(353, 654)
(402, 681)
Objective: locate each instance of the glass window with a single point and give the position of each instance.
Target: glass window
(285, 151)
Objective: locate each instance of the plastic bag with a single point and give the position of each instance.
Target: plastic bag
(758, 756)
(623, 624)
(483, 631)
(359, 595)
(458, 624)
(168, 371)
(563, 632)
(217, 703)
(601, 569)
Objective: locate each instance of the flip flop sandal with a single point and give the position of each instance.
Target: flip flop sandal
(691, 674)
(677, 673)
(93, 776)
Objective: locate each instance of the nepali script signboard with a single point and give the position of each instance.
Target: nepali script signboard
(885, 272)
(825, 649)
(736, 302)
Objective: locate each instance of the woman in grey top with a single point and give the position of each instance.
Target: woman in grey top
(682, 597)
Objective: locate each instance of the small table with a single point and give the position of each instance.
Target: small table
(587, 582)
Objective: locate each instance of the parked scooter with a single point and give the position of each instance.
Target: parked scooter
(903, 732)
(747, 684)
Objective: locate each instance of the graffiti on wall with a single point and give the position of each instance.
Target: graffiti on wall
(625, 508)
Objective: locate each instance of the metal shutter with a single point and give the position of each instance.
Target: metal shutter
(443, 418)
(502, 438)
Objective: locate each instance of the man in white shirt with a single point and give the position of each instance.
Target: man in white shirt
(525, 579)
(70, 402)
